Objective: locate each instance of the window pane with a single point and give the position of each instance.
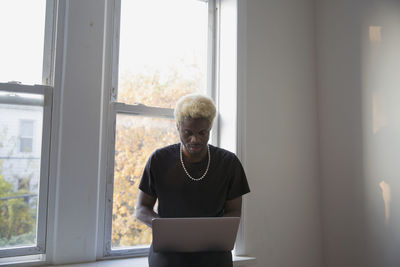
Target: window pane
(163, 51)
(136, 138)
(19, 172)
(22, 25)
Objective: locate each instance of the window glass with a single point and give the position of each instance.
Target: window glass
(19, 173)
(136, 138)
(163, 51)
(21, 46)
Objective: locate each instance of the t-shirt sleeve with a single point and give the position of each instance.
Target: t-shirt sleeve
(238, 185)
(147, 182)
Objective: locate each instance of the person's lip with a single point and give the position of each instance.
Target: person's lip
(195, 147)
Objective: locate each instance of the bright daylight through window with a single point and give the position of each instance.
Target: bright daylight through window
(25, 112)
(164, 53)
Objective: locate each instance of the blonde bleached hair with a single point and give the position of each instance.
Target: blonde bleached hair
(195, 106)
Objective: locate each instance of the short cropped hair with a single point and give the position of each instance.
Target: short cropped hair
(195, 106)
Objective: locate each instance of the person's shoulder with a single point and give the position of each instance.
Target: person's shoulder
(166, 151)
(223, 153)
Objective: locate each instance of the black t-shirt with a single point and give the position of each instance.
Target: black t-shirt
(179, 196)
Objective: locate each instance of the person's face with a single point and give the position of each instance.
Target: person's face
(194, 134)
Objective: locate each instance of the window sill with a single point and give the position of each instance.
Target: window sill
(142, 262)
(238, 261)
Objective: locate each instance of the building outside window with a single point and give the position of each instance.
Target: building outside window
(26, 136)
(160, 54)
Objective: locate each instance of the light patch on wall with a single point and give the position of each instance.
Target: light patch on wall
(375, 34)
(387, 198)
(378, 113)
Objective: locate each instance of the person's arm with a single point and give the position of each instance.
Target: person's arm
(145, 208)
(233, 208)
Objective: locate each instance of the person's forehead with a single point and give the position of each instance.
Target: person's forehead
(195, 122)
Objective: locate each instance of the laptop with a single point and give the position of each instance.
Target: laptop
(194, 234)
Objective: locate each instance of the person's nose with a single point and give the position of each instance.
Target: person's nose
(194, 138)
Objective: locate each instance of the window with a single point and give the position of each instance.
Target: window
(22, 205)
(25, 118)
(160, 54)
(25, 136)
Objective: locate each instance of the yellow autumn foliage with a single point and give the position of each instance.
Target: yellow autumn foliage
(136, 138)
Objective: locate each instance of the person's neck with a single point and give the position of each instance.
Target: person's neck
(194, 159)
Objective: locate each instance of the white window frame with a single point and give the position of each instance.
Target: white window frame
(46, 90)
(115, 108)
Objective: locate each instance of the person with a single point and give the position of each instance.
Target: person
(191, 179)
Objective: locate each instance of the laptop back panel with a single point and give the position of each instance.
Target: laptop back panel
(194, 234)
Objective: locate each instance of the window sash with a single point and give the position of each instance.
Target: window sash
(140, 109)
(115, 109)
(49, 43)
(47, 92)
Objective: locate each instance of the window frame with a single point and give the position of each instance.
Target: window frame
(41, 226)
(115, 108)
(47, 90)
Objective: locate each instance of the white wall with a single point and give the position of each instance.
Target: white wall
(358, 61)
(281, 154)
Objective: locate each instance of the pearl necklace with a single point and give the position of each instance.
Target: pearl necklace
(184, 168)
